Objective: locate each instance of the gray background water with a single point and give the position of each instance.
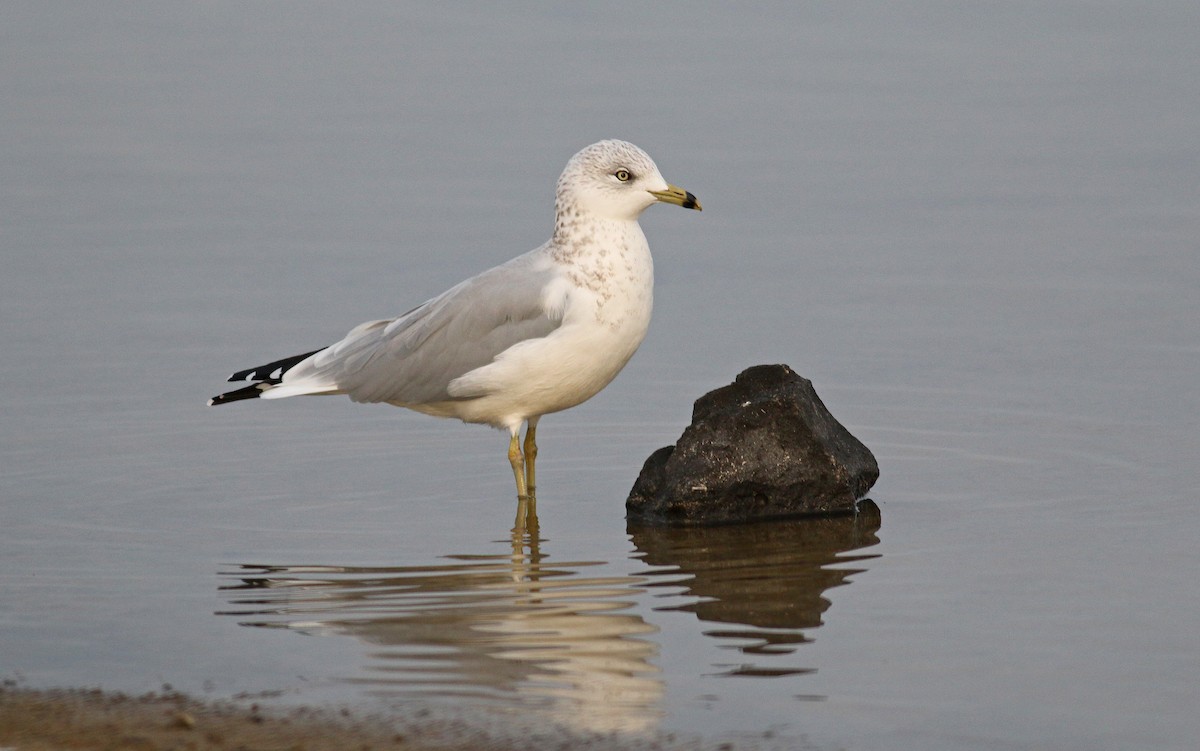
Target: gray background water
(974, 227)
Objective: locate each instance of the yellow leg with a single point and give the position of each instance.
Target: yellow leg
(531, 457)
(518, 466)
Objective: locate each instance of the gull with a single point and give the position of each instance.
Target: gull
(541, 333)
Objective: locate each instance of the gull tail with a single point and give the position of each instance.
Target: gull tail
(269, 376)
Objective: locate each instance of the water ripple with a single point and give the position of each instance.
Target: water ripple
(567, 641)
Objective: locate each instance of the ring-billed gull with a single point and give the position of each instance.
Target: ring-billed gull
(539, 334)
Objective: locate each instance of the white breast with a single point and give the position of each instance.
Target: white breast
(604, 291)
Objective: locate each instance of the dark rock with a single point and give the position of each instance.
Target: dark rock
(764, 446)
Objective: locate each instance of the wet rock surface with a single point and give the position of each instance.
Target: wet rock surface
(764, 446)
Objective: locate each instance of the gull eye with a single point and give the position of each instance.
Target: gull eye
(623, 175)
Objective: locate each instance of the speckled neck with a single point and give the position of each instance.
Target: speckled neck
(567, 220)
(611, 259)
(580, 237)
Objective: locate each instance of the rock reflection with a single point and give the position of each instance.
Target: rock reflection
(506, 630)
(769, 578)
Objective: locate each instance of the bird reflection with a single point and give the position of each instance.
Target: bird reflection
(503, 629)
(767, 578)
(510, 629)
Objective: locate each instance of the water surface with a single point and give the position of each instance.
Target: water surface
(973, 228)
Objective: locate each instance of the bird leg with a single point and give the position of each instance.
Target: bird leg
(518, 466)
(531, 457)
(523, 460)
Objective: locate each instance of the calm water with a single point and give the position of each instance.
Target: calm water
(975, 229)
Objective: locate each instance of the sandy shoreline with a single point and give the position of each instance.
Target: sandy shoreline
(42, 720)
(81, 719)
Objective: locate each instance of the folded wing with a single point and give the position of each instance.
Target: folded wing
(413, 358)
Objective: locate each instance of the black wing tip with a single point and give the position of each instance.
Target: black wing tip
(267, 376)
(249, 392)
(273, 371)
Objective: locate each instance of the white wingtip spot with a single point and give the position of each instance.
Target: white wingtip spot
(276, 373)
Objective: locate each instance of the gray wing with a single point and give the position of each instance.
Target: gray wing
(412, 359)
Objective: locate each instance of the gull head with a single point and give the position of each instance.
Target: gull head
(615, 180)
